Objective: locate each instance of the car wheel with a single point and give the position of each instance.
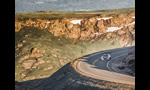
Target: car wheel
(110, 58)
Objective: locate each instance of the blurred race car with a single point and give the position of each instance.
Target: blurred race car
(106, 57)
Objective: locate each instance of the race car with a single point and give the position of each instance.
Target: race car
(106, 57)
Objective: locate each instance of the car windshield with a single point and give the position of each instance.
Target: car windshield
(105, 55)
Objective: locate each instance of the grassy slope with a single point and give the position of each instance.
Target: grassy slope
(44, 40)
(77, 14)
(65, 49)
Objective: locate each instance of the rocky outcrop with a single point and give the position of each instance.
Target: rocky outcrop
(127, 65)
(129, 62)
(18, 26)
(90, 28)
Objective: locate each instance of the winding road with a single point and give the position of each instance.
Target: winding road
(94, 67)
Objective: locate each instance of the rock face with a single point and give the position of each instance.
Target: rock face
(128, 64)
(86, 28)
(28, 64)
(67, 78)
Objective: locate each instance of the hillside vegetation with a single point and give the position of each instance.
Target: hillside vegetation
(76, 14)
(40, 51)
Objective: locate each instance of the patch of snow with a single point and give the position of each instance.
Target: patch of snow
(133, 17)
(105, 18)
(99, 19)
(99, 33)
(130, 23)
(111, 29)
(47, 24)
(76, 21)
(96, 33)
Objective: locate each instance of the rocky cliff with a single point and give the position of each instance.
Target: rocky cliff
(129, 63)
(100, 27)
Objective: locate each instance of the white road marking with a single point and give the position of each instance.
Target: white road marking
(88, 72)
(95, 74)
(112, 59)
(96, 54)
(112, 53)
(102, 52)
(80, 69)
(95, 61)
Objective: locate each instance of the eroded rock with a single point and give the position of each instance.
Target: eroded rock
(28, 64)
(86, 29)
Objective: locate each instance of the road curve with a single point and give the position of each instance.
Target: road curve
(92, 66)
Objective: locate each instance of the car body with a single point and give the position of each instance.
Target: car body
(106, 57)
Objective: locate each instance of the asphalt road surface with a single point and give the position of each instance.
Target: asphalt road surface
(94, 67)
(70, 5)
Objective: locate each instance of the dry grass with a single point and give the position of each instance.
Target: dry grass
(57, 50)
(76, 14)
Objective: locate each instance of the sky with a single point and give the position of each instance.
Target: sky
(70, 5)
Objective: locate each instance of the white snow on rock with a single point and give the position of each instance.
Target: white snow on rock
(33, 22)
(47, 24)
(112, 29)
(96, 33)
(99, 33)
(133, 17)
(130, 23)
(76, 21)
(105, 18)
